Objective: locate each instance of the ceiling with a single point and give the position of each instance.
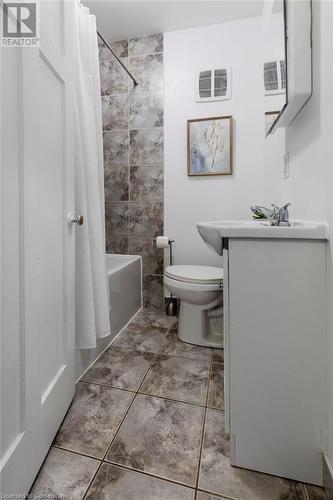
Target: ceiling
(118, 19)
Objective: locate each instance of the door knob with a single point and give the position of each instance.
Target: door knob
(76, 219)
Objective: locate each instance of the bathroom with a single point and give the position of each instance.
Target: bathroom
(166, 267)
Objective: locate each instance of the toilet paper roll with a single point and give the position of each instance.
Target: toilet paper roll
(162, 241)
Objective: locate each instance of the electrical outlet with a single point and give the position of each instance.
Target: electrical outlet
(285, 171)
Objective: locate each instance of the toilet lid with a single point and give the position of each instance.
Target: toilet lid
(195, 274)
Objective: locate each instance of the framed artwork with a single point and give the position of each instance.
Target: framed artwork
(209, 146)
(270, 117)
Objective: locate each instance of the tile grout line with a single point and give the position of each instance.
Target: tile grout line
(103, 461)
(174, 400)
(204, 424)
(149, 474)
(135, 393)
(106, 385)
(128, 409)
(92, 481)
(80, 453)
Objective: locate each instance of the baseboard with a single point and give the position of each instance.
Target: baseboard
(328, 477)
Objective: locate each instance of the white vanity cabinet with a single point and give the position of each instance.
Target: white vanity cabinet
(274, 328)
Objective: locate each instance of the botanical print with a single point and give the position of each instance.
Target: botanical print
(210, 146)
(270, 118)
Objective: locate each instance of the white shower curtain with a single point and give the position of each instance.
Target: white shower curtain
(92, 301)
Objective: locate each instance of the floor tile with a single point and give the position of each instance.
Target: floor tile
(140, 338)
(93, 419)
(315, 492)
(175, 347)
(178, 378)
(165, 321)
(161, 437)
(64, 475)
(150, 317)
(116, 483)
(202, 495)
(219, 477)
(216, 387)
(218, 356)
(120, 368)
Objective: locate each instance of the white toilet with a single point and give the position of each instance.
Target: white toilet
(199, 289)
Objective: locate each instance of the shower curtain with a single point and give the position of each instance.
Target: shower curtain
(92, 301)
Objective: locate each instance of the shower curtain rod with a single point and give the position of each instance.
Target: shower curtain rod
(120, 62)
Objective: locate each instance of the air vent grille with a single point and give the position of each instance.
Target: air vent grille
(213, 85)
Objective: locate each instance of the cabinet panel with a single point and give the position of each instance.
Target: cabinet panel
(277, 333)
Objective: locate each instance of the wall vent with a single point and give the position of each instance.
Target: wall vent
(213, 85)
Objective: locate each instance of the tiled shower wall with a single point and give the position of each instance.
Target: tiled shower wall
(133, 155)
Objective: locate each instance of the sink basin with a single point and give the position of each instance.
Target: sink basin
(213, 232)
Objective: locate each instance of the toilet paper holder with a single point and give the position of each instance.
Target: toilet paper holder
(170, 243)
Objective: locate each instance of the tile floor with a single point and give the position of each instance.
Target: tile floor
(147, 423)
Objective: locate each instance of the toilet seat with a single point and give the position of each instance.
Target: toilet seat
(200, 275)
(192, 286)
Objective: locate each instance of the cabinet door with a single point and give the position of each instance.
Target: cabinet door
(277, 302)
(226, 339)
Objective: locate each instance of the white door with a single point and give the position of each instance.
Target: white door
(37, 366)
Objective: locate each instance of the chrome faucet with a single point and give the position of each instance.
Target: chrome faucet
(280, 216)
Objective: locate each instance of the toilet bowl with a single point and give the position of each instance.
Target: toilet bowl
(199, 289)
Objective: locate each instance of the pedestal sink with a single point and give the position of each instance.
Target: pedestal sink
(213, 232)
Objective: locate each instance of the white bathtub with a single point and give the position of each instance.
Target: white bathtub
(124, 275)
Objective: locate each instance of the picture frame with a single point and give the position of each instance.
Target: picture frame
(210, 146)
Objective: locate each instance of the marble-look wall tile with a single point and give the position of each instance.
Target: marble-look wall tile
(143, 45)
(116, 185)
(146, 219)
(119, 47)
(117, 217)
(148, 71)
(114, 80)
(133, 154)
(146, 146)
(116, 244)
(152, 288)
(146, 183)
(146, 110)
(115, 112)
(116, 146)
(152, 257)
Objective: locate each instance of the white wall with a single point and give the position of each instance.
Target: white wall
(189, 200)
(310, 185)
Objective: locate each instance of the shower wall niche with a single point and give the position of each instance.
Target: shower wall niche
(133, 155)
